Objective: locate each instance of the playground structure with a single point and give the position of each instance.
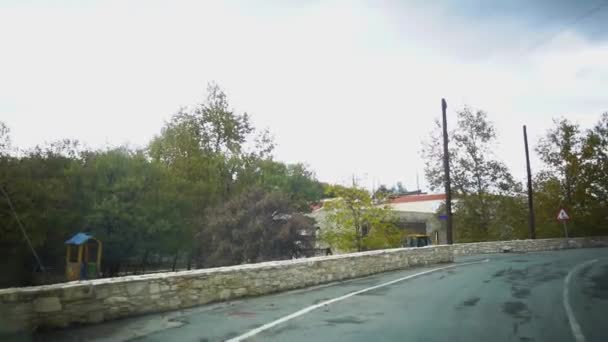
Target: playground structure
(83, 257)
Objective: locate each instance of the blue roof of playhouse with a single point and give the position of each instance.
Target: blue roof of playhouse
(79, 239)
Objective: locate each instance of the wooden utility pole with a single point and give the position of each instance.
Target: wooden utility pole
(20, 225)
(446, 166)
(531, 221)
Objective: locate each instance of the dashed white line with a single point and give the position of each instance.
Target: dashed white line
(306, 310)
(574, 326)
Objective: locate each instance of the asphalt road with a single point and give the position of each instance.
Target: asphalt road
(548, 296)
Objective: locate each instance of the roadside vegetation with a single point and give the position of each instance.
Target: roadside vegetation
(206, 191)
(354, 221)
(492, 205)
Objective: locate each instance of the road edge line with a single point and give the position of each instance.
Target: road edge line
(308, 309)
(574, 326)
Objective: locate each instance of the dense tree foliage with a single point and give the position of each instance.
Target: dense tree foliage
(491, 205)
(483, 186)
(254, 226)
(574, 178)
(164, 202)
(475, 169)
(208, 190)
(354, 223)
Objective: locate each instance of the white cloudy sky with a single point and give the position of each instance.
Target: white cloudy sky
(349, 87)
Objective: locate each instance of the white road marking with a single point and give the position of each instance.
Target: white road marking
(576, 328)
(306, 310)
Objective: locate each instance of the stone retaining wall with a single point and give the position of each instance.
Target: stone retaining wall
(99, 300)
(528, 245)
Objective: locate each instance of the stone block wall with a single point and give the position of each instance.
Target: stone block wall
(528, 245)
(94, 301)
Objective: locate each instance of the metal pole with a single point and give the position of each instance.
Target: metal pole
(565, 229)
(531, 221)
(446, 166)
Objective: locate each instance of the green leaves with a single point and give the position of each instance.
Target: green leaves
(575, 177)
(490, 202)
(207, 171)
(481, 183)
(353, 223)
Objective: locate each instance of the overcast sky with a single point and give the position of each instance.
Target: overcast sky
(348, 87)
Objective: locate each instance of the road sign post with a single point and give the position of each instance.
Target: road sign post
(563, 217)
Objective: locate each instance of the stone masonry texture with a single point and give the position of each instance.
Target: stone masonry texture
(95, 301)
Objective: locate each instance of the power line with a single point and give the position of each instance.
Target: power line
(29, 242)
(550, 37)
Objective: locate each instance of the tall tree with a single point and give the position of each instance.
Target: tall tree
(561, 151)
(354, 223)
(596, 172)
(205, 144)
(595, 154)
(40, 193)
(575, 173)
(150, 205)
(477, 175)
(475, 169)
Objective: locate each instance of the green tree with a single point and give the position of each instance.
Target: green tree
(150, 205)
(114, 182)
(547, 201)
(38, 189)
(596, 172)
(507, 218)
(574, 176)
(333, 190)
(478, 177)
(354, 223)
(302, 186)
(205, 145)
(561, 150)
(134, 207)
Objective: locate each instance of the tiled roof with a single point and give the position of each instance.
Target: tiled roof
(417, 198)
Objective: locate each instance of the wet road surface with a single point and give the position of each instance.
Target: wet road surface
(546, 296)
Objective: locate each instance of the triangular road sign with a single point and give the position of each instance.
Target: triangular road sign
(562, 215)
